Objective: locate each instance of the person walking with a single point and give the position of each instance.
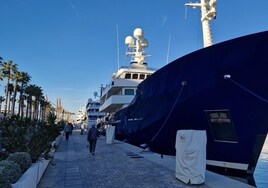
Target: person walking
(83, 128)
(72, 127)
(92, 136)
(67, 131)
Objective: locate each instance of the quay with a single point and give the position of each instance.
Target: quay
(117, 165)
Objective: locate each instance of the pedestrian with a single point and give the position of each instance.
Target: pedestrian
(72, 127)
(67, 130)
(92, 136)
(83, 127)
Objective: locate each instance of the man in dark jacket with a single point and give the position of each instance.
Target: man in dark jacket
(92, 137)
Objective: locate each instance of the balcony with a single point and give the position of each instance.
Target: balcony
(115, 103)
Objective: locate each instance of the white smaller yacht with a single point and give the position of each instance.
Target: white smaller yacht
(81, 115)
(122, 88)
(92, 110)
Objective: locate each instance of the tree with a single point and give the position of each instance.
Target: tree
(26, 78)
(51, 118)
(29, 93)
(45, 108)
(17, 77)
(38, 98)
(2, 99)
(1, 63)
(1, 70)
(34, 94)
(9, 98)
(7, 69)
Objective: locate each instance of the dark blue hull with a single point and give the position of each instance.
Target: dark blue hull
(222, 89)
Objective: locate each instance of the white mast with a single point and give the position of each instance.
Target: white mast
(117, 42)
(208, 12)
(136, 49)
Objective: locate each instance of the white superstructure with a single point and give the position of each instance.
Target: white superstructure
(93, 112)
(122, 88)
(208, 12)
(81, 115)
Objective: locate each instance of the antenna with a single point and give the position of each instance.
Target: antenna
(185, 13)
(168, 49)
(118, 63)
(95, 94)
(136, 46)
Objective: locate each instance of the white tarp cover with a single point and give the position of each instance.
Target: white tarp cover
(110, 134)
(191, 156)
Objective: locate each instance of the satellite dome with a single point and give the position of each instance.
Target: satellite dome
(129, 41)
(138, 34)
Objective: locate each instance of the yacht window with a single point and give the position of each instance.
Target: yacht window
(147, 75)
(135, 76)
(128, 76)
(129, 91)
(221, 126)
(92, 117)
(142, 76)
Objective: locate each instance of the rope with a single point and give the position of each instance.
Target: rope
(249, 91)
(176, 101)
(184, 83)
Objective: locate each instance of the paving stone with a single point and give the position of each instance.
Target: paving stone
(113, 165)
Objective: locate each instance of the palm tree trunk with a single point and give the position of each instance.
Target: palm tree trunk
(14, 98)
(27, 108)
(9, 101)
(19, 108)
(22, 107)
(6, 101)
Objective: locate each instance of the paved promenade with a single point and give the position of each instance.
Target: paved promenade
(116, 165)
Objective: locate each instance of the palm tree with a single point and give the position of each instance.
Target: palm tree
(34, 95)
(29, 93)
(17, 77)
(1, 63)
(8, 68)
(38, 97)
(25, 80)
(2, 99)
(1, 70)
(45, 108)
(9, 98)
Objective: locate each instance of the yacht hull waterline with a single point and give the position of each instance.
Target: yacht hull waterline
(220, 89)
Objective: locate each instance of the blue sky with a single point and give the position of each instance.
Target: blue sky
(69, 47)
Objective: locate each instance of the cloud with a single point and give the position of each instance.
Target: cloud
(74, 8)
(164, 20)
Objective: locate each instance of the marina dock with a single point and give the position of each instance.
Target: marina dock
(116, 165)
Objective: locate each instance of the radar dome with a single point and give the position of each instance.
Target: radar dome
(95, 94)
(129, 40)
(138, 34)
